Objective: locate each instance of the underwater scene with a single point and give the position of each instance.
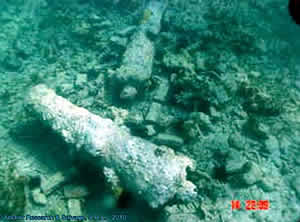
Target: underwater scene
(150, 110)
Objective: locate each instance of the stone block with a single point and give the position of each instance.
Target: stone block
(168, 140)
(51, 184)
(74, 206)
(75, 191)
(38, 197)
(154, 113)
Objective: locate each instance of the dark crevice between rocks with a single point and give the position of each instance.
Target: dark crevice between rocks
(220, 174)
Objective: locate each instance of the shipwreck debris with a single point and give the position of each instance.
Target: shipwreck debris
(136, 69)
(155, 178)
(51, 184)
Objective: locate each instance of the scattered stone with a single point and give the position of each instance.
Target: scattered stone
(38, 197)
(154, 113)
(75, 191)
(242, 114)
(221, 67)
(158, 114)
(82, 29)
(150, 130)
(104, 24)
(100, 81)
(126, 31)
(160, 94)
(168, 140)
(236, 141)
(74, 206)
(183, 217)
(65, 89)
(173, 78)
(190, 129)
(255, 74)
(52, 183)
(120, 41)
(253, 173)
(119, 115)
(181, 213)
(81, 81)
(202, 119)
(261, 130)
(238, 124)
(135, 118)
(135, 122)
(272, 144)
(165, 120)
(128, 93)
(95, 18)
(83, 93)
(87, 102)
(266, 185)
(181, 61)
(214, 113)
(234, 163)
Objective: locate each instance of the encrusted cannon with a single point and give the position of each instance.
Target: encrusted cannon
(136, 67)
(155, 173)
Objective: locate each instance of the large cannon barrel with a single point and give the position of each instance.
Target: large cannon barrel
(136, 68)
(155, 173)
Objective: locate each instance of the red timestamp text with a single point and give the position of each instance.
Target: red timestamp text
(251, 204)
